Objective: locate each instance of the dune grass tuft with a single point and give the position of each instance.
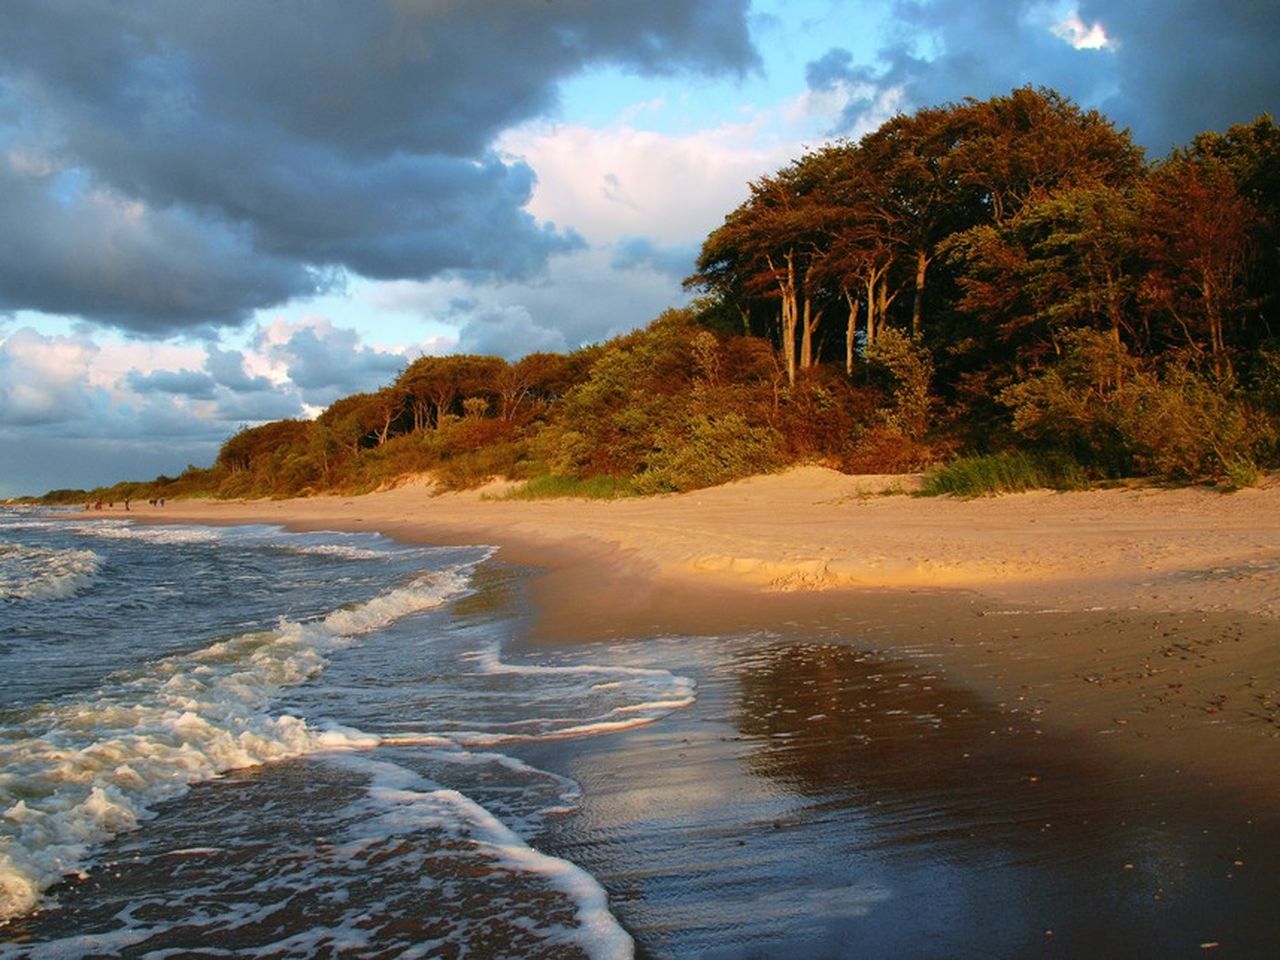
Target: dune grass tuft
(550, 486)
(1010, 472)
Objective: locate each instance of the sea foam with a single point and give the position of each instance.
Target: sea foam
(77, 773)
(44, 573)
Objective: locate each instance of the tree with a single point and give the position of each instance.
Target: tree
(1064, 261)
(436, 386)
(1026, 145)
(1197, 232)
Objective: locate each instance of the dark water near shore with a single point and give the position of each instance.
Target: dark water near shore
(453, 793)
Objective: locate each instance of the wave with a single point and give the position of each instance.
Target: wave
(127, 530)
(587, 700)
(77, 773)
(399, 800)
(44, 573)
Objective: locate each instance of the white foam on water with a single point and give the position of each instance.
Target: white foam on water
(44, 573)
(114, 529)
(400, 799)
(74, 774)
(628, 697)
(337, 550)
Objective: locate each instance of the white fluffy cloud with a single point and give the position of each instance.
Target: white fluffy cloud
(623, 181)
(44, 380)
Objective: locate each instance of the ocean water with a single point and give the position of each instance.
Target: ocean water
(241, 741)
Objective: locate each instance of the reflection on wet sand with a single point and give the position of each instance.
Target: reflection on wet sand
(823, 800)
(928, 760)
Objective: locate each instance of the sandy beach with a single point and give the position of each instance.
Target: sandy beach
(1145, 617)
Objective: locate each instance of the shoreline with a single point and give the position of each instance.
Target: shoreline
(1143, 620)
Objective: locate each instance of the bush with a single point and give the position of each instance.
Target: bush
(1122, 417)
(1241, 472)
(708, 451)
(905, 368)
(883, 448)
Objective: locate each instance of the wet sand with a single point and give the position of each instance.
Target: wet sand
(1049, 724)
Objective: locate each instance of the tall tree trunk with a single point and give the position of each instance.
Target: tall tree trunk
(872, 322)
(917, 305)
(790, 318)
(851, 332)
(809, 326)
(882, 301)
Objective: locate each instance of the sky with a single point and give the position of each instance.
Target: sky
(215, 213)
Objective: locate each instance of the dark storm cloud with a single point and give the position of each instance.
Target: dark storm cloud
(241, 146)
(1185, 66)
(1176, 67)
(946, 50)
(186, 383)
(146, 271)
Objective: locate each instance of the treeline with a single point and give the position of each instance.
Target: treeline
(1006, 275)
(1067, 295)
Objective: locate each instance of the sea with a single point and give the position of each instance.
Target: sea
(241, 741)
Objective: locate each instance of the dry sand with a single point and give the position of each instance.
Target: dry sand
(1148, 619)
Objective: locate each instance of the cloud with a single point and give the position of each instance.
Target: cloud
(228, 370)
(945, 50)
(641, 253)
(97, 254)
(192, 163)
(259, 407)
(621, 181)
(508, 332)
(43, 380)
(325, 362)
(1186, 66)
(187, 383)
(1166, 69)
(135, 409)
(37, 463)
(581, 300)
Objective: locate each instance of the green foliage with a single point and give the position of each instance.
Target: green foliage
(1009, 472)
(673, 407)
(906, 368)
(1122, 416)
(705, 451)
(1241, 472)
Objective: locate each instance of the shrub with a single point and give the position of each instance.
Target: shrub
(707, 451)
(905, 367)
(883, 448)
(1122, 417)
(1241, 472)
